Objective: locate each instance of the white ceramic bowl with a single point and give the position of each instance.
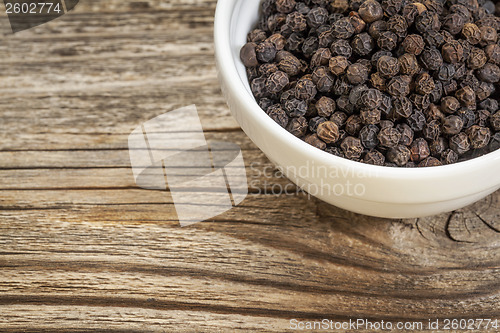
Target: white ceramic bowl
(367, 189)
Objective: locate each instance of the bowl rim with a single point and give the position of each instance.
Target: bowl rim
(230, 74)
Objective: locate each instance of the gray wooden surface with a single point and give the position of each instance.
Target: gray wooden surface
(83, 249)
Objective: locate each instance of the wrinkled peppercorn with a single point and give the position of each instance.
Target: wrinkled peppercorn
(357, 73)
(413, 44)
(362, 44)
(399, 86)
(352, 147)
(419, 150)
(295, 107)
(371, 11)
(430, 162)
(276, 82)
(338, 64)
(278, 115)
(374, 157)
(479, 136)
(460, 143)
(431, 59)
(449, 104)
(400, 155)
(323, 79)
(449, 156)
(305, 89)
(388, 66)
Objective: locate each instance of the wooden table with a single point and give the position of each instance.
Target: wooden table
(83, 249)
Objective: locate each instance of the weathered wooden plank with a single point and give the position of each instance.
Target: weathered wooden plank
(83, 249)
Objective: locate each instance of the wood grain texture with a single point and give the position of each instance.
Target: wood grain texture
(83, 249)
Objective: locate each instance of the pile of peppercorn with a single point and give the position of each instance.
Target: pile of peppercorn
(389, 82)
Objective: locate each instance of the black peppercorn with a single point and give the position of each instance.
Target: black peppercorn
(353, 125)
(266, 51)
(424, 84)
(419, 150)
(370, 99)
(426, 21)
(431, 58)
(290, 65)
(407, 134)
(472, 33)
(388, 66)
(430, 162)
(362, 44)
(374, 157)
(342, 28)
(399, 86)
(416, 121)
(371, 11)
(323, 79)
(495, 142)
(314, 123)
(446, 72)
(285, 6)
(432, 130)
(376, 28)
(453, 23)
(297, 126)
(489, 104)
(338, 65)
(296, 21)
(278, 114)
(352, 147)
(408, 64)
(368, 136)
(295, 107)
(452, 125)
(392, 7)
(341, 47)
(449, 104)
(452, 52)
(325, 106)
(400, 155)
(387, 40)
(305, 89)
(328, 131)
(479, 137)
(389, 137)
(276, 82)
(493, 53)
(489, 73)
(248, 55)
(495, 121)
(449, 156)
(413, 44)
(315, 141)
(316, 17)
(357, 73)
(309, 46)
(401, 108)
(438, 146)
(460, 143)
